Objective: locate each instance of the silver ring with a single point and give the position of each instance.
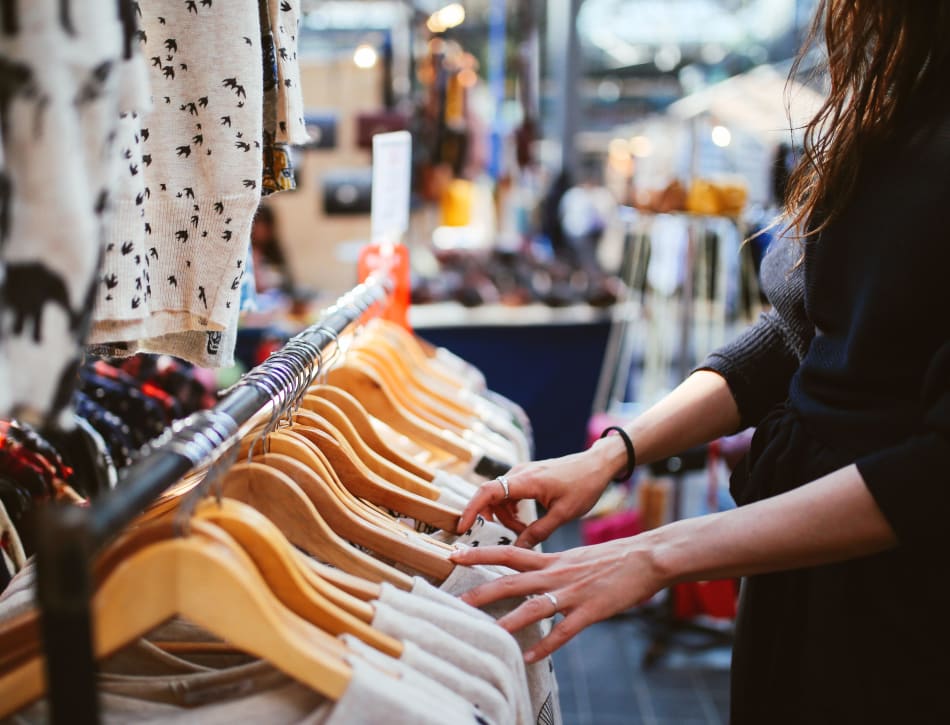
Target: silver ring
(553, 600)
(503, 480)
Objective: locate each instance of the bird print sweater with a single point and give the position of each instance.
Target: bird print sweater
(173, 267)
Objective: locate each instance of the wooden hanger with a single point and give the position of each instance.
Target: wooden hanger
(364, 483)
(398, 545)
(359, 417)
(212, 584)
(329, 413)
(363, 383)
(305, 594)
(291, 508)
(422, 354)
(294, 444)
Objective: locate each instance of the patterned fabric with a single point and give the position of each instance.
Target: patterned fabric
(65, 75)
(173, 268)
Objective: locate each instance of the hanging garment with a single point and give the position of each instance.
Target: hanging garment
(542, 683)
(66, 75)
(173, 270)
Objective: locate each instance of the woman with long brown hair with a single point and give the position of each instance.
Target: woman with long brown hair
(843, 499)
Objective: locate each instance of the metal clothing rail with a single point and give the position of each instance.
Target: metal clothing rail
(69, 536)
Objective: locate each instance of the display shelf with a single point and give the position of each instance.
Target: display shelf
(453, 314)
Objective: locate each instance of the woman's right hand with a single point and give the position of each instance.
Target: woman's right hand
(568, 487)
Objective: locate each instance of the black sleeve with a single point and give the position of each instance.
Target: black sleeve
(909, 481)
(757, 366)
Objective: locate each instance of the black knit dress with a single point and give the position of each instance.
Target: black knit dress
(853, 366)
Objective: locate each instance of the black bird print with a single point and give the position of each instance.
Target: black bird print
(156, 61)
(227, 221)
(240, 104)
(189, 192)
(138, 283)
(163, 187)
(153, 253)
(168, 99)
(140, 34)
(169, 57)
(204, 234)
(127, 154)
(206, 3)
(161, 20)
(64, 16)
(133, 169)
(198, 139)
(219, 207)
(110, 246)
(183, 66)
(243, 145)
(102, 203)
(171, 45)
(147, 159)
(247, 40)
(285, 6)
(111, 281)
(184, 151)
(203, 101)
(139, 198)
(202, 296)
(194, 221)
(172, 280)
(181, 235)
(250, 184)
(144, 133)
(192, 6)
(148, 193)
(135, 303)
(257, 144)
(236, 282)
(283, 126)
(192, 109)
(239, 134)
(148, 230)
(127, 247)
(283, 53)
(226, 121)
(235, 86)
(138, 259)
(226, 235)
(194, 207)
(239, 263)
(169, 72)
(287, 82)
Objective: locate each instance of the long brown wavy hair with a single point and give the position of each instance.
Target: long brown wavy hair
(888, 62)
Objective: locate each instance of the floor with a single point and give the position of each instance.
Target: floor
(603, 681)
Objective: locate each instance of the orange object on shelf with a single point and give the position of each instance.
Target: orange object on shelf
(392, 259)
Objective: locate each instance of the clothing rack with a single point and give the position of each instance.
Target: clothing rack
(69, 536)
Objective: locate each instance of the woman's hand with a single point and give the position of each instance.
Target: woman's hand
(567, 487)
(590, 583)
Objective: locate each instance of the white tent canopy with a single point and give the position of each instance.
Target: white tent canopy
(761, 102)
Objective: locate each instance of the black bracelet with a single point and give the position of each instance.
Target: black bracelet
(631, 453)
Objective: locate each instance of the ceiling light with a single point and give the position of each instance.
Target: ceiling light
(365, 56)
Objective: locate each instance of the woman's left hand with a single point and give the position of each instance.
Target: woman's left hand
(589, 583)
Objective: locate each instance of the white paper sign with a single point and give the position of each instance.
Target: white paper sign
(392, 176)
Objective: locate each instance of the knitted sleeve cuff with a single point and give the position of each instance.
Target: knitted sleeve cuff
(757, 366)
(909, 481)
(909, 485)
